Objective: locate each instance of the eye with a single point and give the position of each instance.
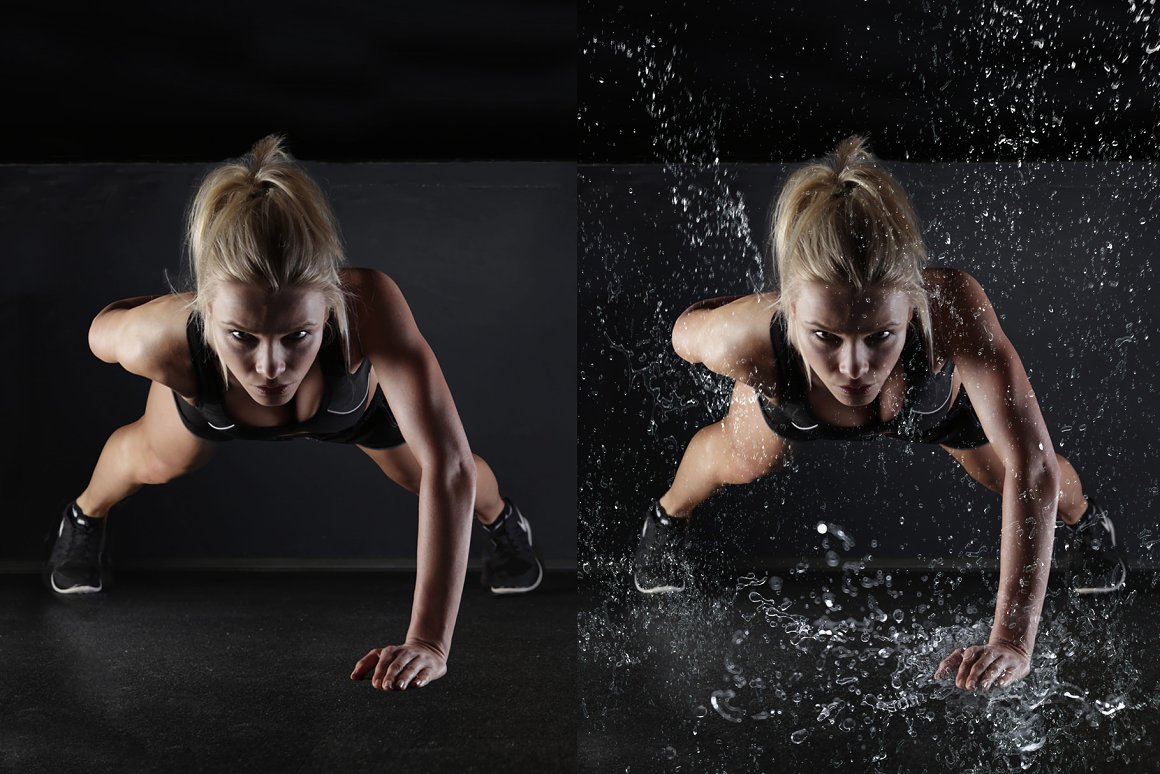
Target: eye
(240, 336)
(825, 336)
(880, 337)
(298, 337)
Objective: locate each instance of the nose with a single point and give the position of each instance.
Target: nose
(271, 363)
(854, 361)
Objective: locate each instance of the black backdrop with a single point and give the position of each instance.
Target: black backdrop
(485, 254)
(928, 81)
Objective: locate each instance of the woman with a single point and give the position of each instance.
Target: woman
(861, 340)
(280, 341)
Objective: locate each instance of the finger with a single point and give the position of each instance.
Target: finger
(365, 664)
(1013, 672)
(423, 677)
(949, 663)
(980, 667)
(991, 677)
(387, 655)
(407, 674)
(391, 676)
(970, 656)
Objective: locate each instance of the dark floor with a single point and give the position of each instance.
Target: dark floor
(250, 672)
(828, 670)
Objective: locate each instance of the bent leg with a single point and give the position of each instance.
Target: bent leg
(737, 450)
(155, 449)
(401, 466)
(984, 465)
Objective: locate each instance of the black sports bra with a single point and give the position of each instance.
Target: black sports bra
(925, 404)
(344, 396)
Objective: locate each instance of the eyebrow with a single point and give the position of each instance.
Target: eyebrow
(823, 326)
(240, 327)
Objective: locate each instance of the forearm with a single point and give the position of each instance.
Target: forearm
(446, 499)
(1029, 503)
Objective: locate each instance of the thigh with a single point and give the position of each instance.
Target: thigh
(755, 449)
(168, 441)
(399, 464)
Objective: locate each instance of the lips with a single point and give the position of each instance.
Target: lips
(855, 389)
(276, 389)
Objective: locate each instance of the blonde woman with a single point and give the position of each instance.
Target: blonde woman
(279, 341)
(861, 340)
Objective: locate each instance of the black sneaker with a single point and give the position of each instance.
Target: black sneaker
(510, 564)
(660, 566)
(1092, 556)
(76, 563)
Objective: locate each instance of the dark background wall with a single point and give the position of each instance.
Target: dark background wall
(1066, 253)
(485, 254)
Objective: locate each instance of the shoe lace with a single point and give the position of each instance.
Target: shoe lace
(81, 544)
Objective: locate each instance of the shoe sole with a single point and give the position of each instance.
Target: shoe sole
(521, 589)
(1089, 590)
(657, 589)
(74, 589)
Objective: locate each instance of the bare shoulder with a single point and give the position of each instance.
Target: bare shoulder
(373, 294)
(961, 313)
(379, 315)
(149, 340)
(730, 336)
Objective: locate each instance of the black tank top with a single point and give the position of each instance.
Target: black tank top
(925, 404)
(343, 398)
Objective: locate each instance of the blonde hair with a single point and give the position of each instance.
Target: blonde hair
(261, 221)
(846, 220)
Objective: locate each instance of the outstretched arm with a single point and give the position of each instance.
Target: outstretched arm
(421, 401)
(1001, 393)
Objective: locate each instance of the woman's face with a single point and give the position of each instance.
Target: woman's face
(851, 339)
(267, 340)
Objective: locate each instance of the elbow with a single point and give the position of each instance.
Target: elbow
(1040, 477)
(458, 474)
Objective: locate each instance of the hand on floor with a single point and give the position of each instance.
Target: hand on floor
(996, 664)
(398, 667)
